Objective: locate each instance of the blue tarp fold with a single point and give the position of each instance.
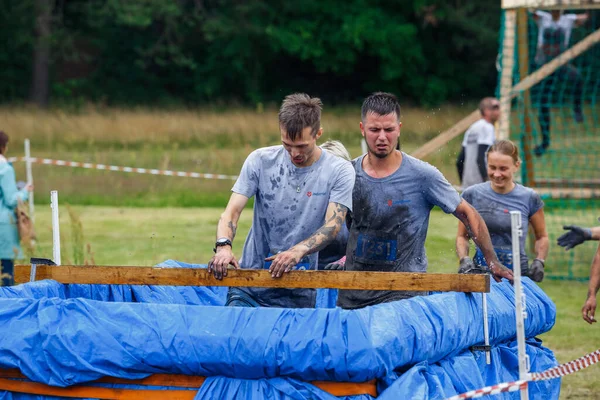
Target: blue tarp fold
(67, 334)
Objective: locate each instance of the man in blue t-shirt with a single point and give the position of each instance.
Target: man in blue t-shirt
(392, 199)
(302, 195)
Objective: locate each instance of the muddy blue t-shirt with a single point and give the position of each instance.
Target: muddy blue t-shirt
(290, 205)
(495, 210)
(389, 224)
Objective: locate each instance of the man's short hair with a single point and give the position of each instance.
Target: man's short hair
(486, 103)
(299, 111)
(380, 103)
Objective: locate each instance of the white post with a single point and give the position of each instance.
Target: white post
(55, 228)
(29, 179)
(486, 330)
(520, 312)
(363, 146)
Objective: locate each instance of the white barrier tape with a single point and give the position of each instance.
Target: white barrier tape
(62, 163)
(558, 371)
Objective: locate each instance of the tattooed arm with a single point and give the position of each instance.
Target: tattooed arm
(226, 229)
(478, 231)
(285, 261)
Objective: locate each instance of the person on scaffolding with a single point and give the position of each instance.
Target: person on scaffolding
(574, 237)
(478, 138)
(554, 35)
(494, 200)
(392, 200)
(302, 195)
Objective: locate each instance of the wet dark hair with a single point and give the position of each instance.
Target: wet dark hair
(380, 103)
(299, 111)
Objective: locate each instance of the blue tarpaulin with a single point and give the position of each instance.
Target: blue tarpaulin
(417, 348)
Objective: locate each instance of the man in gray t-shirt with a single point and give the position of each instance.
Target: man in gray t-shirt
(302, 194)
(392, 199)
(471, 159)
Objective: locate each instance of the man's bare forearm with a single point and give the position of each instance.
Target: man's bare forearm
(594, 284)
(478, 231)
(227, 226)
(462, 247)
(541, 247)
(326, 233)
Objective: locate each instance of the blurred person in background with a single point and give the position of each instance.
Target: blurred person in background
(478, 138)
(10, 247)
(554, 35)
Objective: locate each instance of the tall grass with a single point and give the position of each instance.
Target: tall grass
(201, 140)
(97, 128)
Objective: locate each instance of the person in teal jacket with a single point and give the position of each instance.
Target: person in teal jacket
(10, 247)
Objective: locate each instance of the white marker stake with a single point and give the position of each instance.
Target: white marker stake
(520, 313)
(55, 228)
(29, 179)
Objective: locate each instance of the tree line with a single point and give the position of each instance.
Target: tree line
(189, 52)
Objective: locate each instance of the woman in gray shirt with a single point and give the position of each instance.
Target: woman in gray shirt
(494, 200)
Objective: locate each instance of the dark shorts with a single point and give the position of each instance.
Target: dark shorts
(237, 298)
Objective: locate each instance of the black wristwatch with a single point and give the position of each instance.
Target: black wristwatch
(222, 242)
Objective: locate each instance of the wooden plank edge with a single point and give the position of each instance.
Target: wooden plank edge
(345, 280)
(185, 382)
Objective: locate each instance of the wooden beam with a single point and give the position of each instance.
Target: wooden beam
(551, 4)
(568, 193)
(506, 77)
(523, 46)
(86, 392)
(568, 183)
(339, 389)
(103, 275)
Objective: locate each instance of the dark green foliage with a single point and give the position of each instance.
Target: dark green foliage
(167, 52)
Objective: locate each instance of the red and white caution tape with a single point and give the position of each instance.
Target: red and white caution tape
(76, 164)
(561, 370)
(496, 389)
(568, 368)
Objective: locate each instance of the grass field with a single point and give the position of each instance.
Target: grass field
(146, 236)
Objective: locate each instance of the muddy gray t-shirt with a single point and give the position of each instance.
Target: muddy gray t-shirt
(290, 205)
(389, 224)
(495, 210)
